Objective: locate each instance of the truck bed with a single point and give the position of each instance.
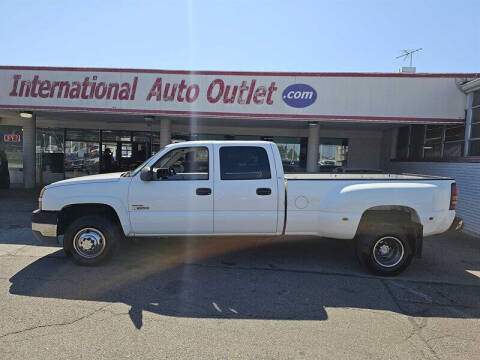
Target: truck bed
(362, 176)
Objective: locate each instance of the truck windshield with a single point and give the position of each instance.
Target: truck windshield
(138, 168)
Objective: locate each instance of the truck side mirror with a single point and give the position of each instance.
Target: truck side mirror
(146, 174)
(164, 173)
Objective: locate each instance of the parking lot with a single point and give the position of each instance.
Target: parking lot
(229, 298)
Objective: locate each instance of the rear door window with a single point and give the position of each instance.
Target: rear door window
(244, 163)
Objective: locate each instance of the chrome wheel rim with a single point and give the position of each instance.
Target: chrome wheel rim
(89, 243)
(388, 251)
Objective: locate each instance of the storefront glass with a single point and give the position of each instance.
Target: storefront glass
(475, 148)
(439, 141)
(475, 130)
(141, 136)
(50, 155)
(11, 159)
(293, 152)
(83, 135)
(454, 141)
(433, 142)
(110, 157)
(332, 154)
(114, 136)
(82, 155)
(417, 141)
(403, 142)
(453, 149)
(124, 150)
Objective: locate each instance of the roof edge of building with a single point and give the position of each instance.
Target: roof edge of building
(246, 73)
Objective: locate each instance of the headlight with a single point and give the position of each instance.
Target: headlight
(40, 198)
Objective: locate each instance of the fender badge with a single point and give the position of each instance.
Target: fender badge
(140, 207)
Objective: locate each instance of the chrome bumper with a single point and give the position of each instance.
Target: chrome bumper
(44, 226)
(45, 229)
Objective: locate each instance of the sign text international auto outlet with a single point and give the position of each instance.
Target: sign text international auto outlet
(226, 94)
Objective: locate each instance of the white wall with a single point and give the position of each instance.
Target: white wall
(466, 175)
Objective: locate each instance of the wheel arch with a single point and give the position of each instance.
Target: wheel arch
(71, 212)
(395, 215)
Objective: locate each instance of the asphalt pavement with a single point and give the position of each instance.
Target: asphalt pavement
(232, 298)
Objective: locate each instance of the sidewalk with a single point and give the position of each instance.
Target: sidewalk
(16, 206)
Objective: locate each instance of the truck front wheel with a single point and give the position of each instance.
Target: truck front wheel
(384, 250)
(91, 239)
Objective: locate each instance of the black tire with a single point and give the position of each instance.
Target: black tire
(384, 249)
(91, 239)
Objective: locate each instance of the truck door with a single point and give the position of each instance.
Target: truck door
(245, 197)
(181, 203)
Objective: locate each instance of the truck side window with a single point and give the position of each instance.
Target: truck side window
(189, 163)
(244, 163)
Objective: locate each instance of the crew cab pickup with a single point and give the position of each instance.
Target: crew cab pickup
(209, 188)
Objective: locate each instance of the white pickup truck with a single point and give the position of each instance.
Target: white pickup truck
(208, 188)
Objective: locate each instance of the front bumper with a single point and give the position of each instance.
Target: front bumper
(44, 226)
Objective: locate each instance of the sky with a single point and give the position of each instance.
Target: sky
(246, 35)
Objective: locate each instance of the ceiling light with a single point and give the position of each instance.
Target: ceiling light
(26, 114)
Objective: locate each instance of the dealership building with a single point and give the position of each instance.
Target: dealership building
(57, 123)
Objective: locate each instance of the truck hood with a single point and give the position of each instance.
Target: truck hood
(100, 178)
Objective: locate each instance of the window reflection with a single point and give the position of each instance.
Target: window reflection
(332, 154)
(293, 152)
(50, 155)
(81, 158)
(82, 152)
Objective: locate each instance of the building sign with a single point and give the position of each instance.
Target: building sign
(11, 138)
(299, 95)
(364, 97)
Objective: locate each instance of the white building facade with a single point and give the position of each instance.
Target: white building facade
(57, 123)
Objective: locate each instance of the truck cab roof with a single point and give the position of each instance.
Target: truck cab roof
(226, 142)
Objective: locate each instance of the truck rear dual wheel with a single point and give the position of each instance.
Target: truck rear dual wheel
(91, 239)
(384, 249)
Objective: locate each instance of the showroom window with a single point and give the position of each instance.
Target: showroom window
(82, 153)
(293, 152)
(50, 155)
(125, 150)
(432, 147)
(430, 142)
(403, 142)
(417, 140)
(474, 140)
(454, 142)
(332, 154)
